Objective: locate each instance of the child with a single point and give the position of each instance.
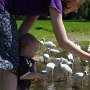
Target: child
(9, 53)
(28, 47)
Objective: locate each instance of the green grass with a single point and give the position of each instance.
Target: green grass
(43, 29)
(73, 27)
(77, 27)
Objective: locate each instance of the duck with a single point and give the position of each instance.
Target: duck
(88, 49)
(50, 67)
(66, 70)
(49, 44)
(54, 51)
(66, 61)
(79, 77)
(46, 57)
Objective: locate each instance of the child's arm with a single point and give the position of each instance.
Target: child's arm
(33, 75)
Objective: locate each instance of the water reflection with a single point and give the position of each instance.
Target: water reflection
(55, 81)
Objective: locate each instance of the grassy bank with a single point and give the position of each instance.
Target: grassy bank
(76, 30)
(72, 27)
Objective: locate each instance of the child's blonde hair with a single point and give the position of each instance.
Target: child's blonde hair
(26, 40)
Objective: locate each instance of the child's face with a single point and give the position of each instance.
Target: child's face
(73, 6)
(31, 50)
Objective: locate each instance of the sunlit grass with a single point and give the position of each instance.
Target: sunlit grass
(43, 29)
(78, 27)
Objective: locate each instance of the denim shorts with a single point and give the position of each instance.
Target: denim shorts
(9, 51)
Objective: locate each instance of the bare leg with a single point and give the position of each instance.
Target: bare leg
(8, 81)
(27, 24)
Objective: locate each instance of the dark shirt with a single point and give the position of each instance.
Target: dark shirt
(1, 4)
(26, 65)
(32, 7)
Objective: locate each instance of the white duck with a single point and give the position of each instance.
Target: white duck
(50, 66)
(70, 57)
(54, 51)
(88, 49)
(78, 46)
(49, 44)
(66, 70)
(65, 61)
(46, 57)
(41, 42)
(79, 77)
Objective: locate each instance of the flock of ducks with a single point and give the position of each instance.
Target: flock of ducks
(67, 65)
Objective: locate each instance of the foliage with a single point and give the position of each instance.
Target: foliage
(84, 10)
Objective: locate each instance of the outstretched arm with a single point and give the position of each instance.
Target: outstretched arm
(33, 75)
(60, 33)
(27, 24)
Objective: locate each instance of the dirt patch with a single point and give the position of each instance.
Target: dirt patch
(79, 38)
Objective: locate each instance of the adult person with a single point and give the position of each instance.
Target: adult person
(34, 8)
(9, 53)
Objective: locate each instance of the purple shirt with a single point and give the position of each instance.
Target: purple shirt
(32, 7)
(1, 4)
(56, 4)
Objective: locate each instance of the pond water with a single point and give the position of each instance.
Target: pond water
(55, 81)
